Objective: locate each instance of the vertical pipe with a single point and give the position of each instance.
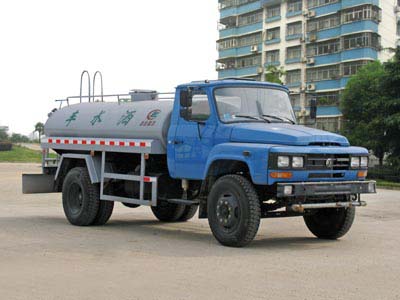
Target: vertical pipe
(103, 163)
(142, 173)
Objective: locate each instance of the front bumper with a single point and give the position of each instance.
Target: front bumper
(304, 189)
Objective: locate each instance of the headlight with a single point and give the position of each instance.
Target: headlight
(364, 161)
(283, 161)
(355, 162)
(298, 162)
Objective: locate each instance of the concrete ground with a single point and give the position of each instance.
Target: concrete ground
(136, 257)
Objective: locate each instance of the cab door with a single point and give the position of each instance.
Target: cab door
(194, 137)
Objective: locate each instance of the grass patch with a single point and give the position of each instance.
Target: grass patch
(388, 184)
(22, 154)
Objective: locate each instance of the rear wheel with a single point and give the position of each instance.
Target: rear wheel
(104, 214)
(330, 223)
(233, 211)
(168, 212)
(81, 199)
(188, 213)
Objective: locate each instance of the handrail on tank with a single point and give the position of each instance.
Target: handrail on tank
(88, 76)
(94, 85)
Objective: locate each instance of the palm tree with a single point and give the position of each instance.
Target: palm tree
(39, 128)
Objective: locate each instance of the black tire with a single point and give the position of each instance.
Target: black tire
(81, 198)
(188, 213)
(233, 211)
(330, 223)
(104, 213)
(130, 205)
(168, 212)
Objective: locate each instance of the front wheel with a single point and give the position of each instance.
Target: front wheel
(233, 211)
(330, 223)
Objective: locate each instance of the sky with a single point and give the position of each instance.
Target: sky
(46, 44)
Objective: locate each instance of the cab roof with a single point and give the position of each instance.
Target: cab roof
(232, 82)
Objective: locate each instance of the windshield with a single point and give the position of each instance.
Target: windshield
(253, 104)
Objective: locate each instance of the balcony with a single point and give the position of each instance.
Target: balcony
(332, 84)
(351, 54)
(240, 51)
(272, 63)
(293, 60)
(238, 10)
(266, 3)
(240, 30)
(294, 13)
(358, 26)
(273, 19)
(273, 41)
(294, 36)
(242, 72)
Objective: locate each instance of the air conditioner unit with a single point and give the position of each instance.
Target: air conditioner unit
(310, 61)
(396, 9)
(311, 14)
(312, 37)
(304, 60)
(311, 87)
(254, 48)
(260, 70)
(302, 39)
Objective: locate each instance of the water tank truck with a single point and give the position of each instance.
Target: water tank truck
(230, 149)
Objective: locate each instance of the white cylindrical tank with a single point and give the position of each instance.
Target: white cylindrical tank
(127, 120)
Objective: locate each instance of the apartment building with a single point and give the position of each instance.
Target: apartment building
(318, 43)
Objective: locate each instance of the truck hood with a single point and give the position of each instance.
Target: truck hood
(284, 134)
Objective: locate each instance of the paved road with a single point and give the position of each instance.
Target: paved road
(136, 257)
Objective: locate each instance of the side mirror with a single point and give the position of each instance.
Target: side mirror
(313, 109)
(186, 98)
(186, 113)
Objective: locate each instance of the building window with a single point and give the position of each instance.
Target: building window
(294, 6)
(249, 61)
(324, 99)
(272, 56)
(316, 3)
(293, 52)
(227, 64)
(323, 48)
(249, 40)
(294, 28)
(295, 100)
(361, 40)
(273, 33)
(227, 44)
(352, 68)
(293, 77)
(324, 73)
(366, 12)
(323, 23)
(250, 18)
(274, 11)
(229, 3)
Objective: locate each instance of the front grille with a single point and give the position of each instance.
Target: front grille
(327, 162)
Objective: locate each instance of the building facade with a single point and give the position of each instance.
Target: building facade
(318, 43)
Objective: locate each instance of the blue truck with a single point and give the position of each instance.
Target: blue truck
(230, 149)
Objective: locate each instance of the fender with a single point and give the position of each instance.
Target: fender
(254, 155)
(93, 165)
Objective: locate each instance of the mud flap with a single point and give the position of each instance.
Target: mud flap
(37, 183)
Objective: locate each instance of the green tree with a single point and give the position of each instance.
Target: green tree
(39, 128)
(274, 74)
(391, 87)
(364, 110)
(19, 138)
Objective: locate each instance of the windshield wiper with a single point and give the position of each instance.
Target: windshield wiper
(283, 119)
(252, 117)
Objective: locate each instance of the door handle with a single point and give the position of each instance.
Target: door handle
(176, 142)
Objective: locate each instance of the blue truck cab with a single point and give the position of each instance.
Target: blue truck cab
(244, 135)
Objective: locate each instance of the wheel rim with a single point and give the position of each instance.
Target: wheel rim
(228, 212)
(75, 198)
